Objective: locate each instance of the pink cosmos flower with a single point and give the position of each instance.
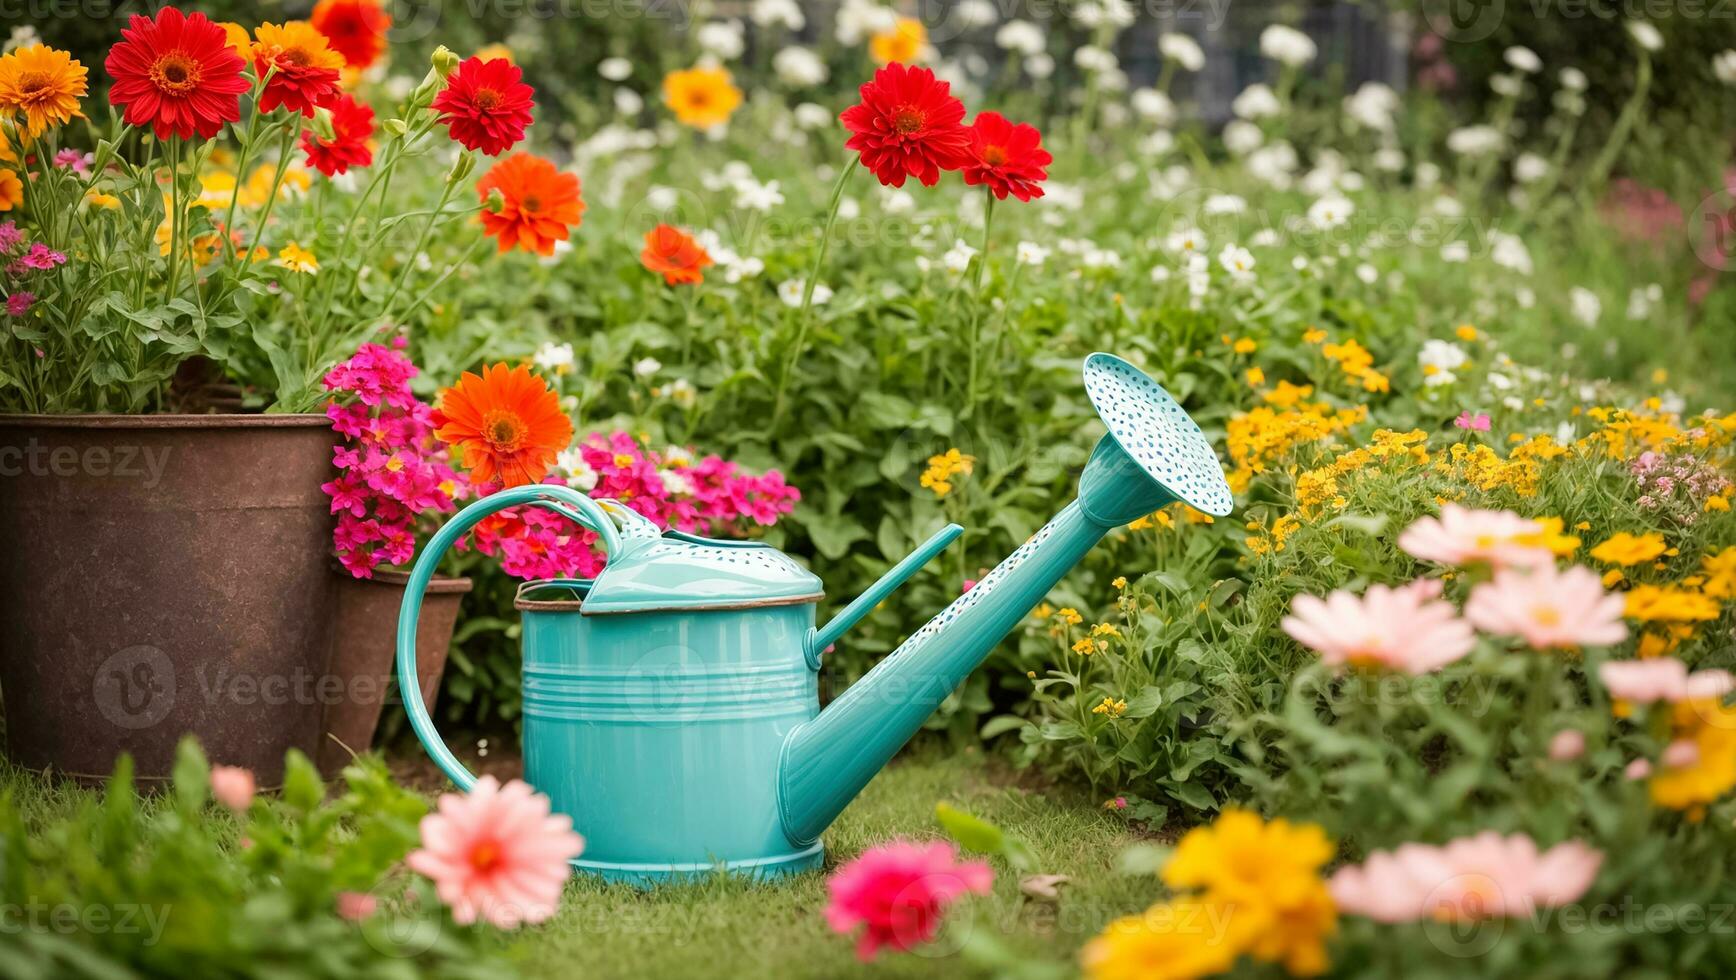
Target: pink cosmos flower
(898, 892)
(1481, 877)
(19, 303)
(1567, 745)
(1476, 423)
(1461, 536)
(1408, 629)
(356, 906)
(1662, 679)
(233, 787)
(496, 853)
(1637, 770)
(77, 161)
(1548, 608)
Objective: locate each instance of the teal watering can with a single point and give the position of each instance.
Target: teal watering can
(671, 704)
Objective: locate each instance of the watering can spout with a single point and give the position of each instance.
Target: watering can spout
(1153, 455)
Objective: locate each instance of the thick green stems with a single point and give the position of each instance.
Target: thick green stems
(459, 170)
(290, 136)
(976, 316)
(803, 319)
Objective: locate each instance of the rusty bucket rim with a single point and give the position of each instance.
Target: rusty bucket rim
(107, 420)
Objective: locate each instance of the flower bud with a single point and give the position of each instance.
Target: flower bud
(444, 61)
(395, 126)
(322, 125)
(461, 167)
(495, 201)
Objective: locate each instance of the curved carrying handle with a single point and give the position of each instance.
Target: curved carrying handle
(565, 501)
(818, 640)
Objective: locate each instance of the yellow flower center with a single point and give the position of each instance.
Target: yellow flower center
(505, 431)
(1546, 615)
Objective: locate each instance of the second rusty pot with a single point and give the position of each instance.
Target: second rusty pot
(364, 635)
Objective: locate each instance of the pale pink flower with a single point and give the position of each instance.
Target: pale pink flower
(496, 853)
(1638, 770)
(1662, 679)
(233, 787)
(1680, 754)
(898, 891)
(1548, 608)
(1406, 629)
(1461, 536)
(1478, 422)
(356, 906)
(1567, 745)
(1481, 877)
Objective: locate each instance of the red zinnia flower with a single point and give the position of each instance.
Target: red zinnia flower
(176, 74)
(675, 255)
(351, 144)
(1008, 157)
(907, 124)
(539, 204)
(355, 29)
(485, 105)
(303, 68)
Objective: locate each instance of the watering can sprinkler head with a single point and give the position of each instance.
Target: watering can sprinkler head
(671, 704)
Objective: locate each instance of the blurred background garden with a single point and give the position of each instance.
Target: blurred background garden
(1446, 286)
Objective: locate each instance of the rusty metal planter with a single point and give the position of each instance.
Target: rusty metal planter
(163, 575)
(364, 640)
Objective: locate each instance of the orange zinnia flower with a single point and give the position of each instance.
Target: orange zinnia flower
(506, 424)
(355, 29)
(539, 204)
(673, 253)
(303, 68)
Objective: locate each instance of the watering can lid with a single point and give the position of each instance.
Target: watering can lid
(679, 571)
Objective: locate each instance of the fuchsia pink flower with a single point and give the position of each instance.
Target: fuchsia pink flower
(898, 892)
(1461, 536)
(42, 258)
(1548, 608)
(1662, 679)
(1483, 877)
(497, 853)
(19, 303)
(74, 160)
(1408, 629)
(10, 237)
(1476, 423)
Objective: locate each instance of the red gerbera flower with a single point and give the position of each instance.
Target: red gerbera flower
(355, 29)
(351, 144)
(907, 124)
(485, 105)
(176, 74)
(302, 67)
(1008, 157)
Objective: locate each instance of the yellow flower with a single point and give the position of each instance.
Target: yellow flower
(1120, 582)
(905, 42)
(495, 52)
(97, 199)
(1085, 647)
(942, 468)
(238, 40)
(701, 97)
(1287, 395)
(1717, 502)
(11, 190)
(1709, 726)
(6, 154)
(1256, 377)
(1069, 615)
(1268, 873)
(1652, 603)
(1104, 629)
(1626, 549)
(1466, 332)
(1179, 940)
(259, 183)
(1043, 611)
(1244, 346)
(1111, 707)
(1313, 335)
(1720, 572)
(43, 85)
(1550, 535)
(297, 259)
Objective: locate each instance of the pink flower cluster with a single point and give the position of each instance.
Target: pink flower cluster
(391, 468)
(19, 259)
(1483, 877)
(1678, 485)
(708, 495)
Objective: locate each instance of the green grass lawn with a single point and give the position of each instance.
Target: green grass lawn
(730, 927)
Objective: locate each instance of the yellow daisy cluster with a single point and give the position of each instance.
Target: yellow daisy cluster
(1248, 887)
(943, 468)
(1269, 539)
(1479, 466)
(1358, 365)
(1112, 707)
(1261, 437)
(1386, 451)
(1163, 519)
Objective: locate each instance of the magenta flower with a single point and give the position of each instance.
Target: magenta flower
(18, 303)
(42, 258)
(1478, 422)
(78, 162)
(1407, 629)
(1483, 877)
(497, 853)
(897, 892)
(1548, 609)
(10, 237)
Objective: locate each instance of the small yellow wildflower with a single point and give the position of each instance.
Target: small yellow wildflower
(1626, 549)
(1069, 615)
(1653, 603)
(1120, 582)
(1314, 335)
(97, 199)
(1717, 502)
(1110, 707)
(943, 467)
(1085, 647)
(297, 259)
(905, 42)
(1255, 376)
(1104, 629)
(1244, 345)
(1466, 332)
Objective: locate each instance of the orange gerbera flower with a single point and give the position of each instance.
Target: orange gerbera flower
(303, 68)
(701, 97)
(506, 424)
(539, 204)
(41, 84)
(673, 253)
(355, 29)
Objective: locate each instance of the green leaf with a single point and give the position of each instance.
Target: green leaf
(972, 833)
(1000, 725)
(1143, 859)
(302, 788)
(192, 776)
(1145, 703)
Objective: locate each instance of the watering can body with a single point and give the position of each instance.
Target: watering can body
(671, 704)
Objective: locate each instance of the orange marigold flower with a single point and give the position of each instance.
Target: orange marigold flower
(41, 84)
(355, 29)
(539, 205)
(701, 97)
(240, 41)
(506, 424)
(302, 66)
(674, 254)
(11, 190)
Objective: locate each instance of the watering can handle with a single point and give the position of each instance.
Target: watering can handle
(565, 501)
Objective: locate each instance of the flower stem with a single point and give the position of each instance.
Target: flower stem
(976, 315)
(451, 182)
(802, 315)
